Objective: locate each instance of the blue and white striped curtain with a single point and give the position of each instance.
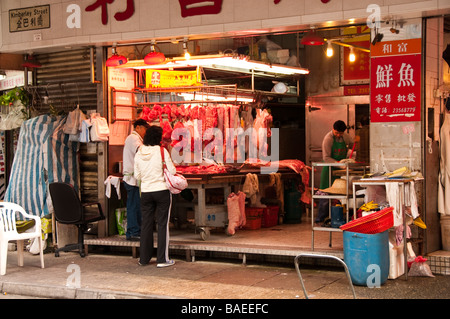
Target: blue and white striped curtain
(44, 155)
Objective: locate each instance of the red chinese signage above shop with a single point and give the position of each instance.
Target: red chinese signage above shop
(119, 16)
(358, 71)
(395, 81)
(188, 8)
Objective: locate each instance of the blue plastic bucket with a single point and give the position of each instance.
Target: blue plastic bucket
(367, 257)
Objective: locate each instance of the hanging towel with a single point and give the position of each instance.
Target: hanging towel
(275, 180)
(85, 127)
(444, 168)
(114, 181)
(399, 234)
(411, 199)
(251, 187)
(393, 197)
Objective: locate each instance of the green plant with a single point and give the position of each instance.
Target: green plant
(14, 95)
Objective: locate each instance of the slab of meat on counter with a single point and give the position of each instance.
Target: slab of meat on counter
(202, 169)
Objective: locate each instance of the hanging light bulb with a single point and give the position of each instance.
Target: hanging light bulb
(115, 59)
(154, 57)
(330, 50)
(352, 56)
(187, 55)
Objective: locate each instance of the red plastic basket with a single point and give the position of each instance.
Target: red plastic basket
(373, 223)
(253, 218)
(270, 216)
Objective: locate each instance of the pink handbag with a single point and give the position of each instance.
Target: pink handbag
(175, 182)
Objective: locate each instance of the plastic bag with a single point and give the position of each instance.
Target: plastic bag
(99, 131)
(33, 247)
(121, 220)
(14, 118)
(73, 122)
(419, 268)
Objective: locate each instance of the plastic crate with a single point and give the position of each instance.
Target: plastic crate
(270, 216)
(253, 217)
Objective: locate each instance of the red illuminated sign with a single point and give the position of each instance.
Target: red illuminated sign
(395, 88)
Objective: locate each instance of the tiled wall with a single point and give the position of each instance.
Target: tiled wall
(162, 19)
(439, 263)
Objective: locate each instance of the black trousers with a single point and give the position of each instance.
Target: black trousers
(155, 206)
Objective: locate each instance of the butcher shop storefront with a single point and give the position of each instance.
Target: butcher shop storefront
(223, 139)
(245, 93)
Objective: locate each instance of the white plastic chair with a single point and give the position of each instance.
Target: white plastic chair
(8, 232)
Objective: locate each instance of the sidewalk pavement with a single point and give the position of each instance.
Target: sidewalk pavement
(113, 276)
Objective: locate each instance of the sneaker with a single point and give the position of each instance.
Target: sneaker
(166, 264)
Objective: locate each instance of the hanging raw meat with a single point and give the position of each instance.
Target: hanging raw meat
(202, 117)
(187, 114)
(177, 141)
(211, 117)
(197, 137)
(262, 125)
(194, 112)
(181, 112)
(167, 131)
(226, 125)
(173, 111)
(145, 115)
(220, 115)
(155, 113)
(236, 209)
(210, 121)
(167, 110)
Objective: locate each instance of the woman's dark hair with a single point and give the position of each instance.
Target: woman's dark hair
(339, 126)
(153, 136)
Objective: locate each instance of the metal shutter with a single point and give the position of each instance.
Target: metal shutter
(65, 77)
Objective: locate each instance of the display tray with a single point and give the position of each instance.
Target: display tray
(234, 172)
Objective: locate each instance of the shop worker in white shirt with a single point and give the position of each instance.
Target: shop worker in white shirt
(132, 144)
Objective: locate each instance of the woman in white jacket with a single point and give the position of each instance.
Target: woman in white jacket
(156, 199)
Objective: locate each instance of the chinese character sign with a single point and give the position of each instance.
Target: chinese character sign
(32, 18)
(119, 16)
(167, 78)
(395, 86)
(356, 72)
